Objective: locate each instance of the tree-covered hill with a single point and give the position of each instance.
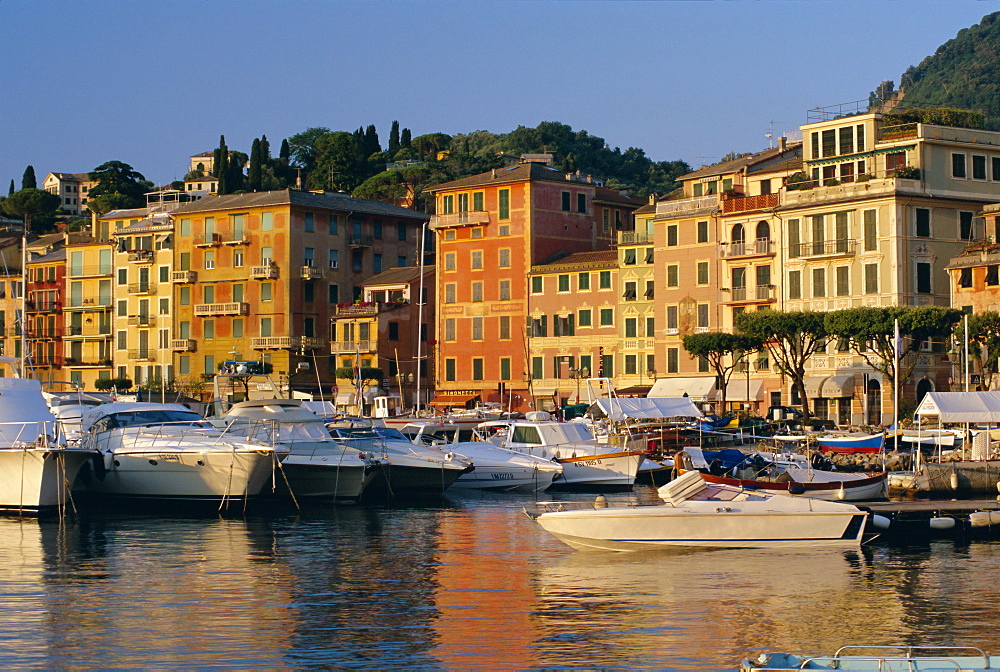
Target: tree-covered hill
(963, 73)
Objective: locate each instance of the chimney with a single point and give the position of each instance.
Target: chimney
(782, 140)
(494, 173)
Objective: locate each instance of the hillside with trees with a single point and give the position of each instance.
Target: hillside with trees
(963, 73)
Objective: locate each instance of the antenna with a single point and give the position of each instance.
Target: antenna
(769, 134)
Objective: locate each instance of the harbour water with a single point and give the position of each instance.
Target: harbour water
(464, 582)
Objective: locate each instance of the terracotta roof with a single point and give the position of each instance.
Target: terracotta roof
(743, 162)
(320, 201)
(517, 173)
(397, 275)
(648, 209)
(605, 195)
(599, 258)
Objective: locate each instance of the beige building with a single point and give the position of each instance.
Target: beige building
(72, 188)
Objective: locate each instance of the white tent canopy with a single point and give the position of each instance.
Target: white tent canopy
(647, 409)
(700, 388)
(961, 406)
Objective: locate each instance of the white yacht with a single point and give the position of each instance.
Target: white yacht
(586, 462)
(410, 470)
(37, 468)
(318, 465)
(155, 451)
(494, 468)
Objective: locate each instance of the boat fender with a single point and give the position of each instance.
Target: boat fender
(796, 489)
(979, 519)
(953, 481)
(880, 522)
(841, 493)
(448, 456)
(942, 523)
(601, 502)
(100, 469)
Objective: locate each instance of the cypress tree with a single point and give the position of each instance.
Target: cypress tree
(265, 149)
(256, 159)
(28, 180)
(11, 192)
(372, 145)
(404, 138)
(394, 138)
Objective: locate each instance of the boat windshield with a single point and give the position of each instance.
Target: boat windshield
(151, 417)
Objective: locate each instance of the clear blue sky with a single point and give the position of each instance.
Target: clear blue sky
(150, 83)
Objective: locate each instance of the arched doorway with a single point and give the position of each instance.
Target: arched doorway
(763, 239)
(738, 239)
(873, 400)
(924, 385)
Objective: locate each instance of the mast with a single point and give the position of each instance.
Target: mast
(420, 316)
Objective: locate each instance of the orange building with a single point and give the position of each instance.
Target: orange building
(491, 229)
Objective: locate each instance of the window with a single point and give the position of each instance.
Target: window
(536, 284)
(992, 276)
(702, 316)
(537, 369)
(819, 282)
(995, 163)
(607, 366)
(564, 282)
(630, 257)
(650, 326)
(266, 222)
(565, 201)
(463, 202)
(122, 276)
(847, 140)
(334, 259)
(449, 261)
(477, 368)
(958, 165)
(923, 216)
(794, 240)
(477, 328)
(538, 326)
(185, 296)
(505, 368)
(702, 273)
(477, 232)
(504, 258)
(584, 317)
(309, 223)
(185, 228)
(923, 278)
(630, 294)
(795, 284)
(449, 293)
(208, 294)
(673, 360)
(607, 317)
(237, 258)
(581, 202)
(308, 256)
(649, 289)
(266, 254)
(672, 235)
(843, 280)
(818, 235)
(649, 255)
(606, 220)
(477, 259)
(208, 328)
(185, 261)
(449, 369)
(702, 232)
(309, 292)
(333, 294)
(449, 234)
(631, 365)
(583, 282)
(870, 231)
(333, 223)
(505, 326)
(673, 276)
(894, 161)
(265, 326)
(671, 319)
(504, 203)
(604, 280)
(978, 167)
(449, 329)
(965, 278)
(477, 292)
(965, 231)
(122, 309)
(563, 325)
(377, 263)
(505, 290)
(265, 291)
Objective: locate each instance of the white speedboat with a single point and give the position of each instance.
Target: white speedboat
(494, 468)
(37, 468)
(586, 462)
(409, 469)
(696, 514)
(317, 465)
(169, 452)
(884, 658)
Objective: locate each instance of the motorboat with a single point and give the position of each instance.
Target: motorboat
(860, 658)
(317, 465)
(809, 480)
(409, 470)
(495, 468)
(852, 443)
(157, 451)
(694, 513)
(586, 462)
(37, 467)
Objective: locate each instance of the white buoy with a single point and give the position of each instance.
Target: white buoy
(942, 523)
(954, 480)
(880, 522)
(841, 494)
(979, 519)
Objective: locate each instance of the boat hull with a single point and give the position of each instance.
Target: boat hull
(33, 479)
(862, 444)
(404, 480)
(724, 525)
(605, 470)
(322, 477)
(854, 490)
(506, 478)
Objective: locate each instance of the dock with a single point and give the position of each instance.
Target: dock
(934, 517)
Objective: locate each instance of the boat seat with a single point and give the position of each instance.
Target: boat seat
(682, 488)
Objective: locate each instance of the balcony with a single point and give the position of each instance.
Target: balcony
(361, 241)
(288, 343)
(142, 321)
(88, 271)
(733, 204)
(141, 256)
(183, 345)
(341, 347)
(142, 355)
(634, 238)
(88, 304)
(364, 309)
(214, 309)
(758, 293)
(755, 248)
(237, 238)
(184, 277)
(847, 191)
(209, 240)
(823, 248)
(142, 288)
(312, 273)
(90, 332)
(470, 218)
(266, 272)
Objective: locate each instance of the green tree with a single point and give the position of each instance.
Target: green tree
(11, 190)
(256, 166)
(724, 352)
(790, 338)
(870, 334)
(431, 143)
(115, 177)
(393, 138)
(28, 180)
(338, 164)
(106, 203)
(404, 139)
(984, 345)
(302, 147)
(30, 203)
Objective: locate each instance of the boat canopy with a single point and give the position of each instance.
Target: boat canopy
(698, 388)
(961, 406)
(618, 409)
